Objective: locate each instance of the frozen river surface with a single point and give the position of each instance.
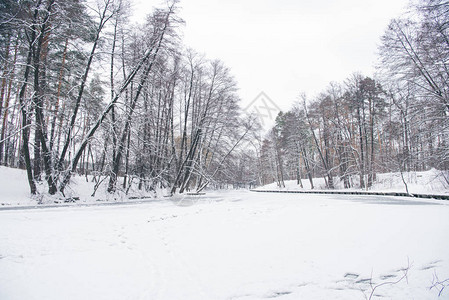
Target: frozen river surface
(228, 245)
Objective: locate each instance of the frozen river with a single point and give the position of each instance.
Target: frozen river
(231, 245)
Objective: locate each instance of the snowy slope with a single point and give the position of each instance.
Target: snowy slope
(15, 191)
(428, 182)
(234, 245)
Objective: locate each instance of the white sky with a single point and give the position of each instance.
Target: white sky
(285, 47)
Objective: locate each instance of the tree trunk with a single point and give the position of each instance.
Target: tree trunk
(58, 97)
(69, 136)
(121, 145)
(6, 105)
(23, 104)
(38, 106)
(362, 154)
(152, 52)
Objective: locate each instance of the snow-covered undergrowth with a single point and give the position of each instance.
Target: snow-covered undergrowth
(228, 245)
(428, 182)
(14, 190)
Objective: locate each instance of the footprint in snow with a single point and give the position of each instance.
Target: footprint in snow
(351, 275)
(364, 280)
(279, 294)
(431, 265)
(388, 276)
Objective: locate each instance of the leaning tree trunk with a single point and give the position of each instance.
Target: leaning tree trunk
(69, 137)
(121, 145)
(151, 53)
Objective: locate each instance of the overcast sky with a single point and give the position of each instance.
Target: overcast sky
(285, 47)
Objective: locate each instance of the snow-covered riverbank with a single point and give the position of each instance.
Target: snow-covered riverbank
(227, 245)
(14, 189)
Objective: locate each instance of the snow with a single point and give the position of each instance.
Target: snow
(227, 245)
(15, 191)
(426, 182)
(14, 187)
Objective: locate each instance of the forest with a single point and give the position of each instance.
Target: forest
(85, 91)
(397, 122)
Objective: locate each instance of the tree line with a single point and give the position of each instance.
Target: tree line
(84, 91)
(354, 130)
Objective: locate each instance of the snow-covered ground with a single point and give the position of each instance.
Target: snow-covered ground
(428, 182)
(228, 245)
(15, 191)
